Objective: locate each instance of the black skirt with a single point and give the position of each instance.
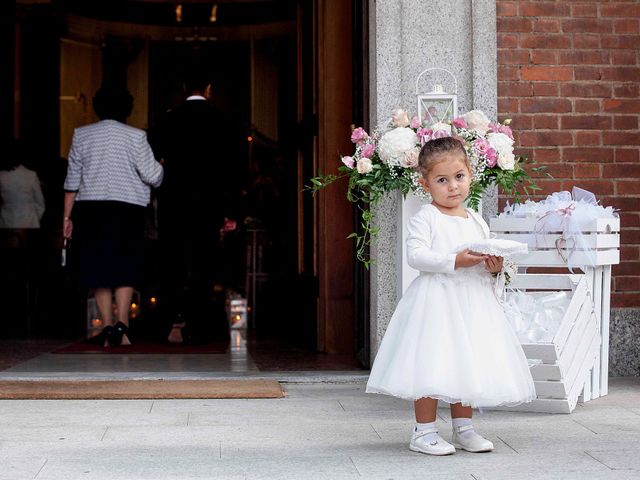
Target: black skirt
(108, 243)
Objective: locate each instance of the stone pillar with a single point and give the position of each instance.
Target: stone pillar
(408, 36)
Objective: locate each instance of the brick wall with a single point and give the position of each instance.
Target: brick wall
(569, 77)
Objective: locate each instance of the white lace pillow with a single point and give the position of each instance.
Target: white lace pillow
(496, 246)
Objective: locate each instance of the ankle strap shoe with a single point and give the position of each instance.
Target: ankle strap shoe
(471, 441)
(439, 446)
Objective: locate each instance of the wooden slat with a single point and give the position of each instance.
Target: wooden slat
(547, 352)
(546, 372)
(582, 382)
(546, 389)
(604, 330)
(548, 241)
(571, 314)
(544, 281)
(597, 298)
(517, 225)
(580, 361)
(551, 258)
(582, 328)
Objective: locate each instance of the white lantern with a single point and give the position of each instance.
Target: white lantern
(438, 103)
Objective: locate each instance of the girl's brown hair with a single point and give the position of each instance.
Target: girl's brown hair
(433, 152)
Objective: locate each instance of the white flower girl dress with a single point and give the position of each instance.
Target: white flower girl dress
(449, 338)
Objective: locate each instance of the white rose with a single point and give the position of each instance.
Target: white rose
(506, 159)
(399, 118)
(477, 120)
(441, 126)
(410, 159)
(395, 143)
(500, 141)
(364, 165)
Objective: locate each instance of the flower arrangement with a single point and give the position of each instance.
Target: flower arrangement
(386, 161)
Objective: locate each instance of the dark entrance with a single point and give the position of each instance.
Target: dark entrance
(284, 71)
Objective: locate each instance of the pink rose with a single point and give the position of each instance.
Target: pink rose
(359, 135)
(497, 128)
(348, 161)
(481, 146)
(491, 157)
(410, 158)
(399, 118)
(459, 122)
(415, 122)
(368, 149)
(424, 134)
(440, 134)
(364, 165)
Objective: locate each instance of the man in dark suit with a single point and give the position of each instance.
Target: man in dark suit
(199, 148)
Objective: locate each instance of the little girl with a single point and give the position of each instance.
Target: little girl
(449, 338)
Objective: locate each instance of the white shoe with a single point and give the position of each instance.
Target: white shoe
(437, 447)
(471, 442)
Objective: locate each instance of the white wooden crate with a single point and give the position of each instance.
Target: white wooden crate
(561, 372)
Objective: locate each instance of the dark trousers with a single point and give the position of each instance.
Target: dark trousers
(190, 254)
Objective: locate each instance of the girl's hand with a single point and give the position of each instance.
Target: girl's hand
(494, 264)
(466, 259)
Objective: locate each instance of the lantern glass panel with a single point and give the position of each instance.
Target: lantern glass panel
(437, 108)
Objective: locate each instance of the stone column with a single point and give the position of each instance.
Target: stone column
(408, 36)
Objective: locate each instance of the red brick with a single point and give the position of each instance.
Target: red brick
(588, 138)
(508, 73)
(507, 40)
(506, 9)
(586, 122)
(539, 40)
(586, 41)
(630, 236)
(549, 139)
(620, 138)
(587, 25)
(521, 122)
(621, 74)
(588, 73)
(514, 24)
(547, 73)
(587, 170)
(620, 10)
(545, 89)
(620, 41)
(584, 10)
(549, 186)
(628, 187)
(599, 187)
(583, 57)
(546, 25)
(629, 90)
(626, 284)
(625, 122)
(624, 204)
(621, 170)
(547, 155)
(627, 268)
(588, 154)
(509, 105)
(577, 89)
(545, 105)
(556, 170)
(628, 252)
(630, 220)
(587, 106)
(509, 56)
(545, 121)
(629, 25)
(544, 9)
(621, 106)
(624, 300)
(624, 57)
(631, 154)
(544, 57)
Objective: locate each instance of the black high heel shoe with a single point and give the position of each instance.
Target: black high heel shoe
(120, 335)
(103, 337)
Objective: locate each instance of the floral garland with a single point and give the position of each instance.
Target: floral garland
(387, 161)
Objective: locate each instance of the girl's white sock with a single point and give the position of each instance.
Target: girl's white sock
(463, 422)
(429, 437)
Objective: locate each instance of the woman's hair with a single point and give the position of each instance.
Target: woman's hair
(437, 150)
(113, 103)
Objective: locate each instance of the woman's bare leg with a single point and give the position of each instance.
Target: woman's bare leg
(103, 299)
(123, 301)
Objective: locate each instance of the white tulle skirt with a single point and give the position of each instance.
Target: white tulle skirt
(449, 339)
